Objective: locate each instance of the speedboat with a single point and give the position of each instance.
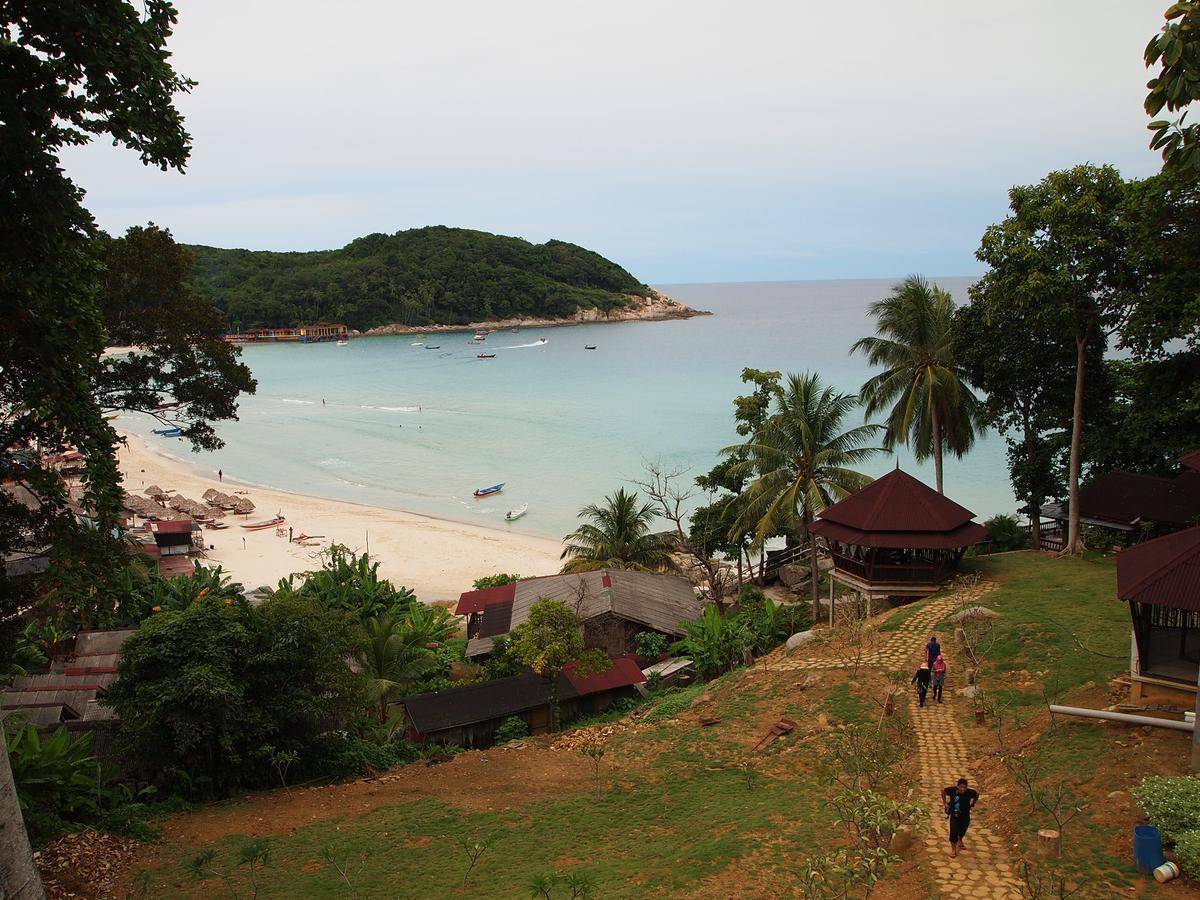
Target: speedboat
(433, 346)
(487, 356)
(589, 346)
(517, 513)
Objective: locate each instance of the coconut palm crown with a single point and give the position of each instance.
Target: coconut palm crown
(802, 460)
(617, 536)
(929, 403)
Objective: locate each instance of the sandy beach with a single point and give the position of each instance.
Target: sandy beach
(436, 558)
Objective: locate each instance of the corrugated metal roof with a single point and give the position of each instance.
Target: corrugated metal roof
(963, 536)
(476, 601)
(497, 619)
(898, 502)
(1128, 498)
(1191, 460)
(661, 602)
(624, 672)
(1162, 572)
(101, 642)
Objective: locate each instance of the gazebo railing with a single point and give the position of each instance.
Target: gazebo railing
(884, 573)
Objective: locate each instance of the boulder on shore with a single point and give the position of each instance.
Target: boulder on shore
(792, 575)
(800, 639)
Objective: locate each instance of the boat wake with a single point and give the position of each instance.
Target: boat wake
(301, 402)
(539, 343)
(390, 408)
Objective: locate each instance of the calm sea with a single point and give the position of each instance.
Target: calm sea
(386, 423)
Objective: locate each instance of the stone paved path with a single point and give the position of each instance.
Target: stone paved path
(983, 869)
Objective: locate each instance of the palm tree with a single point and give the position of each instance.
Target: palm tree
(393, 657)
(802, 461)
(617, 537)
(932, 407)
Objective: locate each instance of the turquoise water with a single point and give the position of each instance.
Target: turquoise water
(382, 422)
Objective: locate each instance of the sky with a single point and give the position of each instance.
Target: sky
(689, 141)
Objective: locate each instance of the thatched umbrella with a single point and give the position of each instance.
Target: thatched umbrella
(244, 506)
(220, 499)
(210, 494)
(153, 491)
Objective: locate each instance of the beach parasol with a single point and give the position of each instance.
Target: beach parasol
(210, 494)
(153, 491)
(244, 505)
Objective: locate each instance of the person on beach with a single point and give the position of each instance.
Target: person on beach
(220, 475)
(921, 680)
(932, 650)
(957, 802)
(939, 677)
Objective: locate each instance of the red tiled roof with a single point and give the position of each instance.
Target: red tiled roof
(476, 601)
(1191, 460)
(1162, 572)
(898, 502)
(623, 673)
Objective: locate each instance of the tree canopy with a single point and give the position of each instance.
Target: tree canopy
(423, 276)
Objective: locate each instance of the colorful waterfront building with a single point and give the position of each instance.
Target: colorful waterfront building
(320, 333)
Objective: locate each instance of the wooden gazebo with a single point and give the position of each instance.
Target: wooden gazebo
(1160, 580)
(897, 537)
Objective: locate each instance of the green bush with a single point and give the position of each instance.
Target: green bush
(1187, 851)
(1171, 802)
(497, 580)
(651, 645)
(348, 581)
(512, 729)
(56, 778)
(674, 701)
(1006, 533)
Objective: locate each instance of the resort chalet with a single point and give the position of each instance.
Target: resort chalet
(1135, 506)
(897, 537)
(469, 716)
(1160, 580)
(614, 606)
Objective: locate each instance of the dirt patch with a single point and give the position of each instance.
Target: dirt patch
(85, 864)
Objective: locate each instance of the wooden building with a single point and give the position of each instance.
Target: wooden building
(320, 333)
(1160, 580)
(897, 537)
(614, 606)
(469, 716)
(1134, 507)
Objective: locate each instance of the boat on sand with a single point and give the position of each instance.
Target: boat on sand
(494, 489)
(266, 523)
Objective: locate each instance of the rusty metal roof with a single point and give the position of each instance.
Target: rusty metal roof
(1162, 572)
(1191, 460)
(476, 601)
(1128, 498)
(624, 672)
(964, 536)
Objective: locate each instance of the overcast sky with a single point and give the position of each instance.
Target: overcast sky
(689, 141)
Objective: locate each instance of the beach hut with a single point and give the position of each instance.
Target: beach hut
(896, 538)
(1160, 580)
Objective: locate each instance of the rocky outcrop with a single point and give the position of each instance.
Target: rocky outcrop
(655, 308)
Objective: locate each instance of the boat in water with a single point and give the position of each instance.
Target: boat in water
(417, 344)
(433, 346)
(494, 489)
(516, 513)
(589, 346)
(342, 342)
(266, 523)
(486, 356)
(168, 432)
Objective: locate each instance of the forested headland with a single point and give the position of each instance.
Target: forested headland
(424, 276)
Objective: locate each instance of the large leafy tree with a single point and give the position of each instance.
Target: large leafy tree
(1026, 368)
(393, 657)
(617, 535)
(802, 461)
(930, 405)
(70, 70)
(182, 357)
(1061, 256)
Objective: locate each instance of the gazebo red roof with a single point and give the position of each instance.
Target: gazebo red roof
(1191, 460)
(899, 512)
(477, 601)
(1162, 572)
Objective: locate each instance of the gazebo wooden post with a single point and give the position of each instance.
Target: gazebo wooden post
(1196, 730)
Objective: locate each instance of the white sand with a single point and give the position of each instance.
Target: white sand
(437, 558)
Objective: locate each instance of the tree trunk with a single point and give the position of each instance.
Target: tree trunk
(816, 568)
(739, 570)
(1074, 543)
(937, 449)
(1035, 503)
(19, 878)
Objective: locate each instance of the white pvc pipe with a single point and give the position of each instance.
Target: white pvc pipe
(1123, 717)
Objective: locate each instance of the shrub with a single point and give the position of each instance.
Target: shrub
(348, 581)
(497, 580)
(1187, 851)
(674, 702)
(512, 729)
(501, 663)
(1006, 533)
(56, 778)
(715, 643)
(1171, 802)
(651, 645)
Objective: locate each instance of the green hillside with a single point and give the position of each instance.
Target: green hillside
(424, 276)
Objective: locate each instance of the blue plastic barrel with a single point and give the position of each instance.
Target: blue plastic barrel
(1147, 848)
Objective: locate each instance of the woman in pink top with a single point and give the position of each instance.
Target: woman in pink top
(939, 677)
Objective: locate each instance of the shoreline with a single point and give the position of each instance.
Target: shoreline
(437, 558)
(656, 308)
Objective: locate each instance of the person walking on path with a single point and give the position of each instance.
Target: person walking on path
(932, 650)
(921, 680)
(939, 677)
(957, 802)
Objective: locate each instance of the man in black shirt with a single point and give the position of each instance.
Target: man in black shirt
(921, 680)
(957, 801)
